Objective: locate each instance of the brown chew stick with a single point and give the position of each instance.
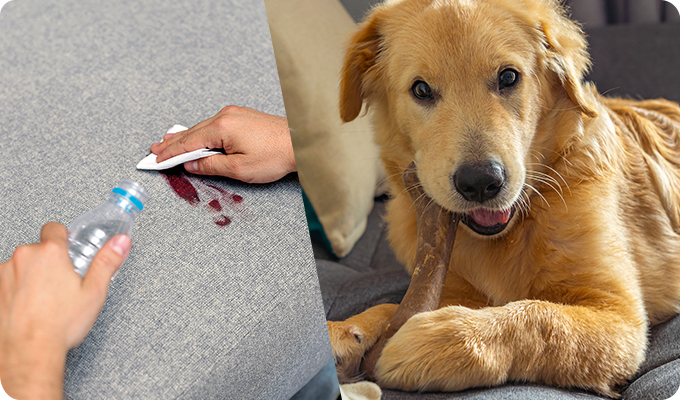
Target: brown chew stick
(436, 236)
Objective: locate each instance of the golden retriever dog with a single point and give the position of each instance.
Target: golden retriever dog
(569, 248)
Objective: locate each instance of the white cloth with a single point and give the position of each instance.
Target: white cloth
(149, 162)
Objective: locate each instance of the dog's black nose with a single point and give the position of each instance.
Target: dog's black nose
(479, 182)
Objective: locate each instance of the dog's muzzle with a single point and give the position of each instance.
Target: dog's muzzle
(479, 183)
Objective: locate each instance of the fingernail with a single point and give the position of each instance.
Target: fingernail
(192, 166)
(121, 244)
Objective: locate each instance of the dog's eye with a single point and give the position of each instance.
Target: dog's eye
(507, 78)
(422, 90)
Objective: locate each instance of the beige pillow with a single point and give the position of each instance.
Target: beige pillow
(338, 163)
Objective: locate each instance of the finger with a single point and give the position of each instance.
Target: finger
(219, 165)
(54, 231)
(198, 139)
(229, 166)
(107, 261)
(157, 148)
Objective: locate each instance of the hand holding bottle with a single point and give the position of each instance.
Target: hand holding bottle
(89, 232)
(46, 309)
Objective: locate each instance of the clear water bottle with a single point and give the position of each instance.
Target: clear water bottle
(89, 232)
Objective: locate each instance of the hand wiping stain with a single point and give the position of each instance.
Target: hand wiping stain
(149, 162)
(187, 186)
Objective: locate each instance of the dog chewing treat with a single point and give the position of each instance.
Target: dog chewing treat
(569, 201)
(436, 237)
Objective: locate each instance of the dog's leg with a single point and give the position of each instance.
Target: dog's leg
(352, 338)
(595, 345)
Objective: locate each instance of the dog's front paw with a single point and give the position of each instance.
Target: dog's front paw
(349, 346)
(442, 350)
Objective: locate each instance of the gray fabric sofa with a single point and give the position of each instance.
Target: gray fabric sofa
(201, 309)
(636, 61)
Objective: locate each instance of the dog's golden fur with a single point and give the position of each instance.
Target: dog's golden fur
(565, 294)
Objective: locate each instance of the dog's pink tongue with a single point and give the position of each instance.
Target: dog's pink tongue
(486, 217)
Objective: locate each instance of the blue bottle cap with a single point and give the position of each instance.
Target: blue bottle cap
(128, 196)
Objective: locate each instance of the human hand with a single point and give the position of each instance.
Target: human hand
(46, 309)
(258, 146)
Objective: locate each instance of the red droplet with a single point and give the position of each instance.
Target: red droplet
(215, 205)
(181, 185)
(222, 220)
(237, 198)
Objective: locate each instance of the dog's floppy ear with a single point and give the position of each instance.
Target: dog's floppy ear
(359, 59)
(567, 56)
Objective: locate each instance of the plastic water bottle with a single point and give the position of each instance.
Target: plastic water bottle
(89, 232)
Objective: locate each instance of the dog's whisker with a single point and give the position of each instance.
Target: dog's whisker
(552, 179)
(560, 155)
(559, 176)
(534, 152)
(417, 199)
(545, 176)
(408, 189)
(421, 198)
(528, 203)
(547, 180)
(538, 193)
(555, 189)
(429, 203)
(525, 204)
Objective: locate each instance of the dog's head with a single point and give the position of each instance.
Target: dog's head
(472, 90)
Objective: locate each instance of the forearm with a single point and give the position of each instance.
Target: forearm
(35, 372)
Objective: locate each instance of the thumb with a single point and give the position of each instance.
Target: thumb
(105, 264)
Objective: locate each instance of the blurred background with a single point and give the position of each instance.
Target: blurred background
(592, 13)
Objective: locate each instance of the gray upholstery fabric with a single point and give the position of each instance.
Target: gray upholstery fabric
(368, 275)
(198, 311)
(634, 61)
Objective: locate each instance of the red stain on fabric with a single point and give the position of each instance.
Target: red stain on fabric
(222, 221)
(189, 186)
(215, 205)
(181, 186)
